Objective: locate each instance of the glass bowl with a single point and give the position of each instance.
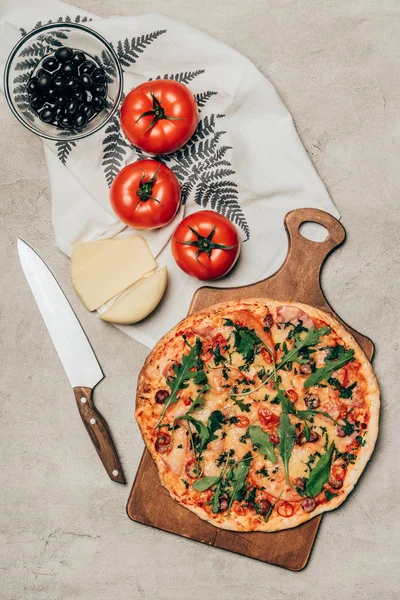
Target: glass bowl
(30, 50)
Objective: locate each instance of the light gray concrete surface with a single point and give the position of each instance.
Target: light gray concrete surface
(64, 531)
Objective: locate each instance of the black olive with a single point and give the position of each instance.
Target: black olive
(98, 76)
(77, 94)
(99, 90)
(44, 82)
(63, 54)
(85, 81)
(59, 84)
(80, 120)
(50, 64)
(40, 73)
(60, 112)
(68, 68)
(32, 85)
(51, 95)
(66, 121)
(87, 67)
(88, 110)
(61, 100)
(87, 97)
(78, 58)
(47, 115)
(72, 107)
(71, 83)
(36, 101)
(98, 103)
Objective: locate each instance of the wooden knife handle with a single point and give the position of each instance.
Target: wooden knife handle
(99, 433)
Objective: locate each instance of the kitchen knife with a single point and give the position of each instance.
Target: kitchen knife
(74, 351)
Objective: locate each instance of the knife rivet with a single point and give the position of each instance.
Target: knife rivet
(115, 472)
(83, 400)
(92, 421)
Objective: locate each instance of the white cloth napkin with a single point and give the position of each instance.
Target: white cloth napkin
(249, 160)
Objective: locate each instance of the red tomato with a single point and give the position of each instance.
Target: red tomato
(207, 354)
(267, 417)
(206, 245)
(145, 194)
(186, 400)
(266, 355)
(284, 509)
(159, 116)
(292, 395)
(338, 472)
(242, 422)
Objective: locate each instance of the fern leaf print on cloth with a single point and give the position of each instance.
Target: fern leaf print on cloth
(114, 150)
(205, 172)
(64, 149)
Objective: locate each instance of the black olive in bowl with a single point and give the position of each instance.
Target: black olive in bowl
(63, 54)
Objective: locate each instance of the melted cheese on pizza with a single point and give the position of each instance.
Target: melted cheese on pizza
(258, 413)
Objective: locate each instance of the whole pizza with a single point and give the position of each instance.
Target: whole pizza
(259, 414)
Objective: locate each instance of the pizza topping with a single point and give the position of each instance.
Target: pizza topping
(336, 484)
(262, 441)
(267, 417)
(303, 439)
(312, 401)
(286, 434)
(338, 471)
(300, 484)
(208, 332)
(204, 434)
(285, 509)
(294, 315)
(266, 355)
(331, 365)
(274, 439)
(189, 368)
(251, 432)
(238, 478)
(241, 422)
(191, 468)
(223, 503)
(344, 392)
(308, 505)
(268, 320)
(319, 475)
(161, 396)
(248, 341)
(340, 432)
(162, 444)
(292, 395)
(264, 507)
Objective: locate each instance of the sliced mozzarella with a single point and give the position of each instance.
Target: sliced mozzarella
(102, 269)
(139, 300)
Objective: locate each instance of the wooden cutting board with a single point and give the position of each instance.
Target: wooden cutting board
(298, 279)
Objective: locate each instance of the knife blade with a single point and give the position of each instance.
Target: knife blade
(75, 352)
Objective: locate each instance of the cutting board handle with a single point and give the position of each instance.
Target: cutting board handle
(305, 257)
(316, 252)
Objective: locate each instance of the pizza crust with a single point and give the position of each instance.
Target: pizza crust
(237, 523)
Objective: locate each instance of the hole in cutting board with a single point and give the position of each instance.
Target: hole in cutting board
(313, 231)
